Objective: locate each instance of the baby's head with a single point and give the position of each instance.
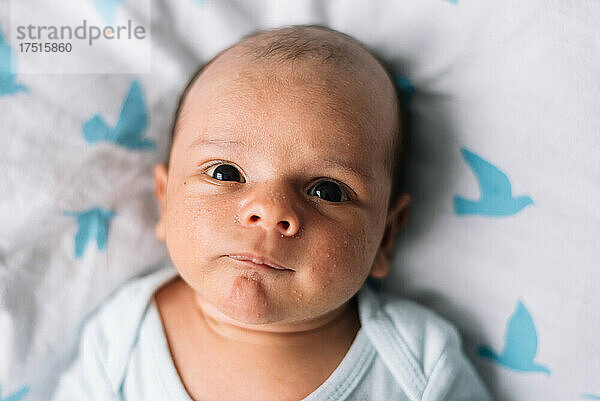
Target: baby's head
(279, 199)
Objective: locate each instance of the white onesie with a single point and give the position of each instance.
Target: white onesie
(402, 352)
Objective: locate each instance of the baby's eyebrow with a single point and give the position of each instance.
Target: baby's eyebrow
(216, 142)
(349, 167)
(328, 161)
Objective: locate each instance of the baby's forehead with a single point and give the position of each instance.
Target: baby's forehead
(350, 91)
(250, 71)
(325, 69)
(313, 54)
(327, 102)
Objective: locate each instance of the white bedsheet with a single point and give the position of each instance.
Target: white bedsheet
(504, 97)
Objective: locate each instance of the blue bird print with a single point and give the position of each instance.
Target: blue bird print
(17, 396)
(8, 84)
(108, 9)
(130, 127)
(520, 344)
(407, 89)
(496, 197)
(93, 224)
(590, 396)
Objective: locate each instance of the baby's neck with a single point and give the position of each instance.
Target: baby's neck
(272, 365)
(338, 325)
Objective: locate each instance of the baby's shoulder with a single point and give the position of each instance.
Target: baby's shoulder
(111, 331)
(420, 327)
(419, 324)
(128, 303)
(421, 349)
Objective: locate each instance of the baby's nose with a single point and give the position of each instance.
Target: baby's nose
(270, 214)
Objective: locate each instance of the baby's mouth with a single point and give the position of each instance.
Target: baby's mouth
(258, 261)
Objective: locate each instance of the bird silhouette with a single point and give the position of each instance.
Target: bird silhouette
(8, 84)
(520, 344)
(17, 396)
(108, 9)
(129, 130)
(496, 193)
(92, 224)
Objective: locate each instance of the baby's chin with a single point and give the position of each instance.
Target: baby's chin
(247, 301)
(245, 304)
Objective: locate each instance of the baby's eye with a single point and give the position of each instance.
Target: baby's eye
(329, 191)
(225, 172)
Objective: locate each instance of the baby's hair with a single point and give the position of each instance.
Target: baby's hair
(297, 43)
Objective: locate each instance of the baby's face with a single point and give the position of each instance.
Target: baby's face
(283, 165)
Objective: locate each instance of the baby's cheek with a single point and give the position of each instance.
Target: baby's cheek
(352, 249)
(352, 244)
(201, 225)
(188, 226)
(340, 260)
(202, 217)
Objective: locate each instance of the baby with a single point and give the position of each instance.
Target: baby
(279, 200)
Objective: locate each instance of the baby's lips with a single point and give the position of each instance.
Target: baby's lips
(259, 260)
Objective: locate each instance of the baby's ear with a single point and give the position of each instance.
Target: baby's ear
(396, 220)
(160, 192)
